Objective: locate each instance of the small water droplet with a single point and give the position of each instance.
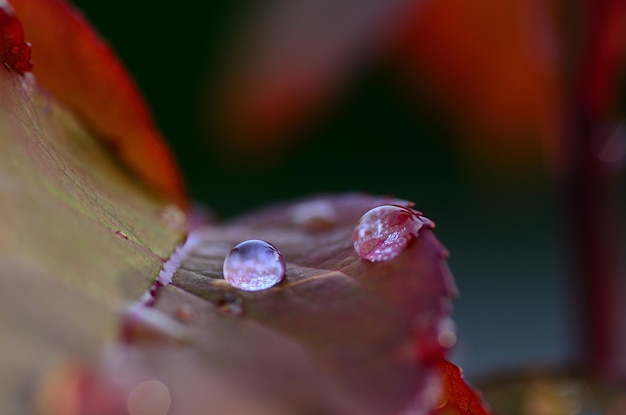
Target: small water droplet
(121, 235)
(254, 265)
(316, 215)
(173, 217)
(231, 304)
(185, 313)
(385, 231)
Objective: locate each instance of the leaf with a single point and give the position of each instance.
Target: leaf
(83, 73)
(337, 335)
(80, 239)
(458, 397)
(14, 52)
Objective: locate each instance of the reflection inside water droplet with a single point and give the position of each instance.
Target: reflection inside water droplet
(385, 231)
(254, 265)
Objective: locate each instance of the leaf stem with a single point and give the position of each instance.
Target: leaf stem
(591, 182)
(595, 219)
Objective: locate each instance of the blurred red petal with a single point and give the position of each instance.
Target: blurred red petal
(83, 73)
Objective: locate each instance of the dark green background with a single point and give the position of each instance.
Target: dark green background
(499, 229)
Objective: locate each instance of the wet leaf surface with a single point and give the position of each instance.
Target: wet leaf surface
(14, 51)
(337, 335)
(82, 241)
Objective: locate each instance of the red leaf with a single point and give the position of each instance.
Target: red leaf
(14, 52)
(339, 334)
(83, 73)
(458, 397)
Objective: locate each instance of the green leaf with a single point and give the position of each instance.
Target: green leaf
(80, 237)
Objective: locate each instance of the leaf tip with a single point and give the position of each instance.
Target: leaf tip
(15, 53)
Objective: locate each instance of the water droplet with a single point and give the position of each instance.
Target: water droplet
(173, 217)
(231, 304)
(385, 231)
(316, 215)
(149, 398)
(254, 265)
(185, 313)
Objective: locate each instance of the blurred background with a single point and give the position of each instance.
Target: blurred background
(452, 107)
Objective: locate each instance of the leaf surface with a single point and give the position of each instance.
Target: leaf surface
(337, 335)
(80, 238)
(83, 73)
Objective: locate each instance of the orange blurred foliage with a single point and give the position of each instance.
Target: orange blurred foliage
(494, 69)
(493, 66)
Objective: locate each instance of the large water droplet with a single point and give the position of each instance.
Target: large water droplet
(254, 265)
(385, 231)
